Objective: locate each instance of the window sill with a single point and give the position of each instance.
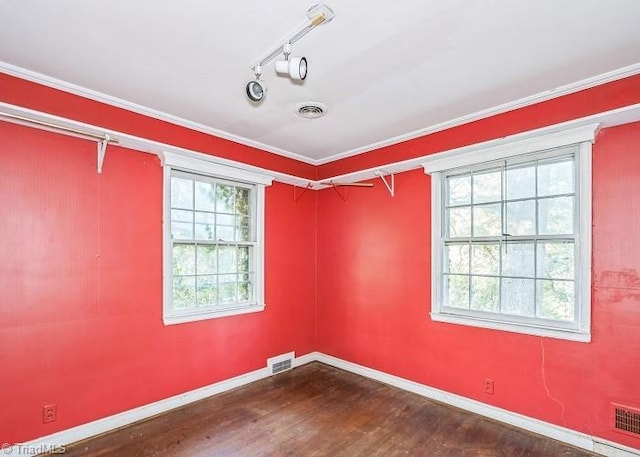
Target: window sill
(200, 316)
(571, 335)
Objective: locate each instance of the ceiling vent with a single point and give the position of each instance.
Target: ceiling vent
(311, 110)
(625, 419)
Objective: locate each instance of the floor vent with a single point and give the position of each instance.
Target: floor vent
(281, 366)
(626, 419)
(281, 363)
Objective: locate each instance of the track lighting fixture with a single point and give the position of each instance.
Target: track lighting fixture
(256, 89)
(295, 67)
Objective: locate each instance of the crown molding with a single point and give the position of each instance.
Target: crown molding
(65, 86)
(619, 116)
(604, 78)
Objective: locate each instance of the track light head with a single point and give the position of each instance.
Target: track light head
(298, 68)
(256, 90)
(294, 67)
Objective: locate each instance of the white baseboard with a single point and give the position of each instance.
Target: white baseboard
(82, 432)
(307, 358)
(555, 432)
(611, 449)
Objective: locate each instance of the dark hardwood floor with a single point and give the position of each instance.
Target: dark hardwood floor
(317, 410)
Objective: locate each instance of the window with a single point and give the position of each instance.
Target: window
(213, 250)
(511, 238)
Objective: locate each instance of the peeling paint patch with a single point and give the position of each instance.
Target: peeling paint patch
(624, 279)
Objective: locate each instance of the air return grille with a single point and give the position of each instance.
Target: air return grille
(311, 110)
(626, 419)
(281, 363)
(281, 366)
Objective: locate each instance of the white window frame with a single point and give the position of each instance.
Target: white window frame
(201, 164)
(438, 165)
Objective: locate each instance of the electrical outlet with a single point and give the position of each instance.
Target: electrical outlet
(488, 386)
(49, 413)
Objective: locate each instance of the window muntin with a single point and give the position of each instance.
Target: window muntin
(508, 241)
(213, 243)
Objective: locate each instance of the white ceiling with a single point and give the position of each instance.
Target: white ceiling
(384, 69)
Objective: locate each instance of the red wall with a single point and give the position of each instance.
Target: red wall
(80, 276)
(598, 99)
(41, 98)
(374, 301)
(81, 281)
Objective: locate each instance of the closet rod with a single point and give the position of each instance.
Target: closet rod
(58, 127)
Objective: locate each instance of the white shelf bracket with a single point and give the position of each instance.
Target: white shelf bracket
(102, 150)
(390, 187)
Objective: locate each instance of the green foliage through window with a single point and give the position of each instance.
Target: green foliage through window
(212, 242)
(509, 245)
